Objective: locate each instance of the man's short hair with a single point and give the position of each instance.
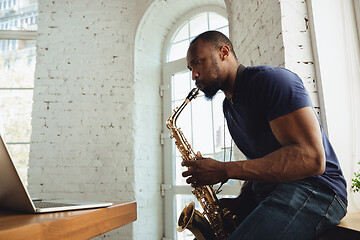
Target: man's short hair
(218, 39)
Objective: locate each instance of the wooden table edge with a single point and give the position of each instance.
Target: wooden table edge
(79, 224)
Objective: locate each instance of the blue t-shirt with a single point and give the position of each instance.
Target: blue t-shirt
(262, 94)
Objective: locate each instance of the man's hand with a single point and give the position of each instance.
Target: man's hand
(204, 171)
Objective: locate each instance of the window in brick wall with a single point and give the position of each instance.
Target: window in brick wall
(210, 137)
(17, 66)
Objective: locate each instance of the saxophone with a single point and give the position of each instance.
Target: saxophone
(215, 222)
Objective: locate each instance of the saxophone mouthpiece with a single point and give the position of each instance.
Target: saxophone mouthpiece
(192, 94)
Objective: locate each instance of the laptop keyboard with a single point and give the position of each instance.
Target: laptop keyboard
(49, 204)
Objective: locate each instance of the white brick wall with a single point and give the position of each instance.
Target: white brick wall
(298, 50)
(255, 30)
(274, 33)
(83, 132)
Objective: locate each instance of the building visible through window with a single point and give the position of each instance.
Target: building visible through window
(18, 25)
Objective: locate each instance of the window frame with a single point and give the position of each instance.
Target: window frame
(18, 35)
(357, 16)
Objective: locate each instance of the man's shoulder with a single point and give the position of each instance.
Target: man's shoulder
(267, 70)
(264, 76)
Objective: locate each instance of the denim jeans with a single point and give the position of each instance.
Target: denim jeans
(290, 211)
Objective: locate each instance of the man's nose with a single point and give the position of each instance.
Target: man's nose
(195, 75)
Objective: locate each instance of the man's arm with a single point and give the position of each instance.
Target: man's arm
(301, 155)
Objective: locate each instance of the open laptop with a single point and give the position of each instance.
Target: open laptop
(14, 196)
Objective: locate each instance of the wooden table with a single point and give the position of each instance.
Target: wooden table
(349, 228)
(351, 221)
(79, 224)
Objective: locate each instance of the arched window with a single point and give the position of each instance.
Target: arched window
(191, 28)
(202, 121)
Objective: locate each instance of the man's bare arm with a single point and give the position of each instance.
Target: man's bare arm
(301, 155)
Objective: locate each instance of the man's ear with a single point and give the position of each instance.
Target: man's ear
(224, 52)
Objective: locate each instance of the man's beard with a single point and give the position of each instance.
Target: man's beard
(211, 90)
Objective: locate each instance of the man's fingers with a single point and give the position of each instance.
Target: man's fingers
(188, 163)
(190, 180)
(199, 156)
(187, 173)
(193, 182)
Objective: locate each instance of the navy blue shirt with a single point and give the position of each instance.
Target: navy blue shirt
(262, 94)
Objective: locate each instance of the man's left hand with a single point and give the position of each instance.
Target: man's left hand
(204, 171)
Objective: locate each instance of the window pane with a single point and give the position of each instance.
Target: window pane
(178, 50)
(19, 15)
(15, 114)
(192, 85)
(20, 152)
(202, 126)
(224, 30)
(220, 125)
(198, 25)
(181, 85)
(184, 122)
(17, 65)
(182, 34)
(217, 21)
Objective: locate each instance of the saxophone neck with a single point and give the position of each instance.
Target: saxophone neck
(171, 121)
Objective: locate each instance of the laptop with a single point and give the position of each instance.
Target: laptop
(14, 195)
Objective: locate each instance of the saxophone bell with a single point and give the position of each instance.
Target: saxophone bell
(194, 221)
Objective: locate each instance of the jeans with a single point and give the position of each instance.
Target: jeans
(290, 211)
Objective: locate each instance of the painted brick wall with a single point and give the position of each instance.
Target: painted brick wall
(255, 30)
(83, 133)
(297, 42)
(148, 125)
(274, 33)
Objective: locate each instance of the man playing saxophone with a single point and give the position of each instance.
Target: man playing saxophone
(295, 187)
